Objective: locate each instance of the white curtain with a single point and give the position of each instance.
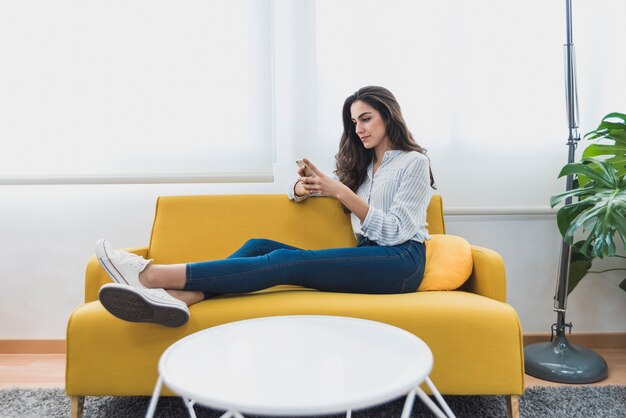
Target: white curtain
(137, 90)
(168, 90)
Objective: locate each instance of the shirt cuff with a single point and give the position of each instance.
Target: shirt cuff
(292, 194)
(372, 223)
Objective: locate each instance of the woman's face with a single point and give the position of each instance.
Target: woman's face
(368, 125)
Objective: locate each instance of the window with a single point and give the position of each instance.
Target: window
(481, 84)
(135, 91)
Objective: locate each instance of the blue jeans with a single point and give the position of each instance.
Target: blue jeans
(262, 263)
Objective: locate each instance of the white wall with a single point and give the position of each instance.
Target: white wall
(47, 232)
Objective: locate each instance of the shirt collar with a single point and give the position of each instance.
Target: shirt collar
(388, 156)
(391, 154)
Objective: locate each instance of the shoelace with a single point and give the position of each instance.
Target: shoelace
(129, 258)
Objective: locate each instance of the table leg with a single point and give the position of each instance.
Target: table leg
(408, 405)
(410, 397)
(189, 404)
(439, 398)
(429, 403)
(349, 413)
(155, 398)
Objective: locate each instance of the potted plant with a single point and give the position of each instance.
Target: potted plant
(600, 209)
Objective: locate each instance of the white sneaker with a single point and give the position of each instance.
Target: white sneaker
(123, 267)
(143, 305)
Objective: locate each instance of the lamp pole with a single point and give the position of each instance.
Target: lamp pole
(571, 102)
(558, 360)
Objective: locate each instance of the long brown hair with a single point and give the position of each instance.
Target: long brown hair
(353, 159)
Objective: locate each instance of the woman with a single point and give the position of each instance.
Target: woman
(383, 180)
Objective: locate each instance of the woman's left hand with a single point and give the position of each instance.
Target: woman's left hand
(320, 183)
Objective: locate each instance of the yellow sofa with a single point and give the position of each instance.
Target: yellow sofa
(475, 336)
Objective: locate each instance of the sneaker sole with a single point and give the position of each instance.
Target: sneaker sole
(129, 305)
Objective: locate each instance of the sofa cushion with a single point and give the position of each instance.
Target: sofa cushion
(476, 341)
(448, 263)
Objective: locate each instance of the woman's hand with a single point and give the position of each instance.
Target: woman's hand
(299, 188)
(321, 184)
(318, 183)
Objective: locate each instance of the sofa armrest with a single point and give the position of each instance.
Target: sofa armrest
(96, 276)
(488, 276)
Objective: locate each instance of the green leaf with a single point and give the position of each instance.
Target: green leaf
(579, 265)
(611, 130)
(608, 124)
(592, 169)
(595, 150)
(618, 115)
(599, 212)
(565, 216)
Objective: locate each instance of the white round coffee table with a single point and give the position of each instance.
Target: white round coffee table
(298, 365)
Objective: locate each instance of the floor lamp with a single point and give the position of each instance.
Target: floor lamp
(558, 360)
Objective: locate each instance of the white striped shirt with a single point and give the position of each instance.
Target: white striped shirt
(398, 196)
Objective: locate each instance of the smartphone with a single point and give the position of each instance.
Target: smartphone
(307, 170)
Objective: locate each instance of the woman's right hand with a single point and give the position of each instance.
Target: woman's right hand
(299, 189)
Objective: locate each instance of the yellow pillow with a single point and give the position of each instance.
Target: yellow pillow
(448, 263)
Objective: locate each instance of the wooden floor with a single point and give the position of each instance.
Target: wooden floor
(48, 370)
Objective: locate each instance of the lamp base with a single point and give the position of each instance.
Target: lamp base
(560, 361)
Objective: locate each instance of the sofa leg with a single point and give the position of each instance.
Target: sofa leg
(76, 406)
(512, 406)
